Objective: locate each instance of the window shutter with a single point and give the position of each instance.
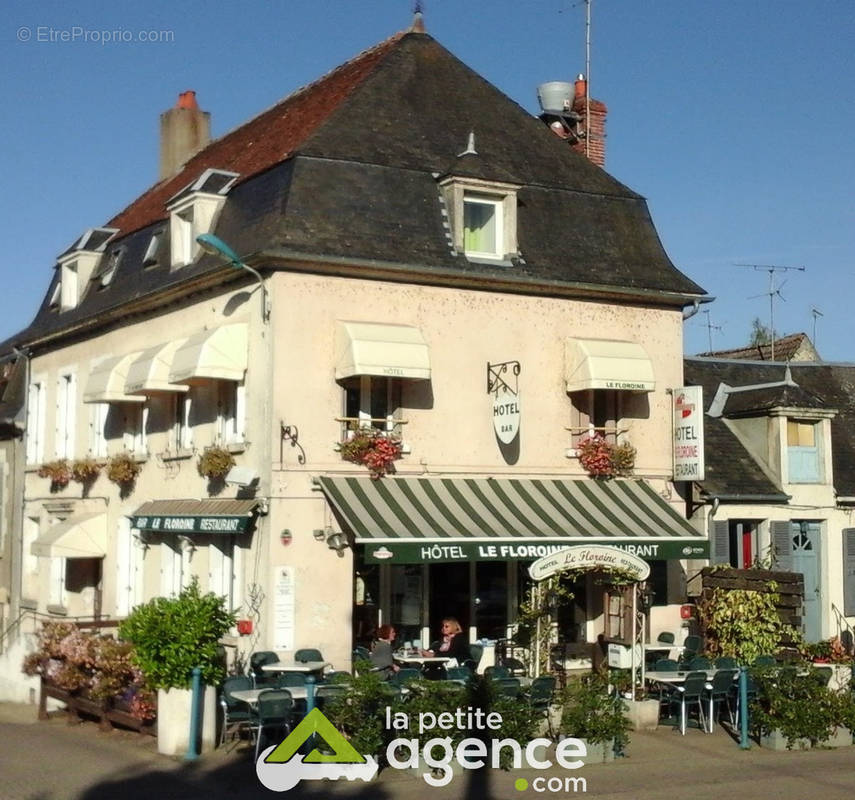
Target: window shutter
(783, 545)
(849, 571)
(720, 544)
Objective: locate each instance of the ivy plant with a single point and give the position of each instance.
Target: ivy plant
(172, 635)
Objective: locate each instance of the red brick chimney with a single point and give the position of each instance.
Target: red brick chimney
(593, 144)
(184, 131)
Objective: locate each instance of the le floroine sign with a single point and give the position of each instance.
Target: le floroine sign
(589, 558)
(191, 524)
(409, 552)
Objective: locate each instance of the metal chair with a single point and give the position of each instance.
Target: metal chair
(509, 687)
(540, 694)
(236, 713)
(726, 662)
(308, 654)
(273, 715)
(719, 690)
(688, 693)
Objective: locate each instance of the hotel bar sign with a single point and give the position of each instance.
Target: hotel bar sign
(688, 433)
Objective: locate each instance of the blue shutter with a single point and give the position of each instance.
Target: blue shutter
(849, 572)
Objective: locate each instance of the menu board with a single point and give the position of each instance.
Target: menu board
(283, 608)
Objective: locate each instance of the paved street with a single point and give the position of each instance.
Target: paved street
(54, 761)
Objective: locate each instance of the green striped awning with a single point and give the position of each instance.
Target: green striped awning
(508, 511)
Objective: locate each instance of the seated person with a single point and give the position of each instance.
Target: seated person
(381, 652)
(453, 642)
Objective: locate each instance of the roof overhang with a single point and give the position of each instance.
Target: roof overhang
(216, 354)
(81, 536)
(607, 364)
(370, 348)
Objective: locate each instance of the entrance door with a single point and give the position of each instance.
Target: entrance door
(805, 538)
(449, 596)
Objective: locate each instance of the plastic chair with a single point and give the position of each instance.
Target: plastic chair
(691, 648)
(540, 693)
(726, 662)
(510, 687)
(327, 692)
(666, 637)
(286, 679)
(516, 667)
(688, 693)
(256, 662)
(308, 654)
(719, 689)
(700, 662)
(273, 715)
(458, 674)
(666, 665)
(497, 672)
(236, 713)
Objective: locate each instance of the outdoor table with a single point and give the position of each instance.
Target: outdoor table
(420, 660)
(297, 666)
(678, 677)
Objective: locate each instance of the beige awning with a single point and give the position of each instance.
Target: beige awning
(150, 371)
(218, 354)
(106, 382)
(81, 536)
(370, 348)
(607, 364)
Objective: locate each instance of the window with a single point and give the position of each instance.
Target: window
(97, 429)
(151, 257)
(55, 295)
(482, 227)
(69, 292)
(109, 271)
(133, 418)
(36, 423)
(371, 401)
(66, 398)
(183, 242)
(598, 411)
(231, 411)
(803, 452)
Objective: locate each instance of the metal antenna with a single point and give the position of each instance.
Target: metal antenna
(771, 269)
(588, 77)
(710, 328)
(816, 313)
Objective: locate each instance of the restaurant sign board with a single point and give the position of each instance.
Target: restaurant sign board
(589, 557)
(437, 552)
(189, 523)
(688, 433)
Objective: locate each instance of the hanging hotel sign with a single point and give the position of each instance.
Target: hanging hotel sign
(688, 433)
(506, 399)
(410, 552)
(589, 557)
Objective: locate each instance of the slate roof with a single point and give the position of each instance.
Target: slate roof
(345, 170)
(730, 469)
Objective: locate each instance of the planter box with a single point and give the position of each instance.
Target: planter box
(643, 714)
(173, 720)
(842, 737)
(777, 741)
(104, 711)
(599, 753)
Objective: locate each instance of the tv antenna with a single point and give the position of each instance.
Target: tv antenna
(772, 293)
(816, 313)
(710, 328)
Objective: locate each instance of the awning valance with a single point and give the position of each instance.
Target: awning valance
(447, 519)
(194, 516)
(369, 348)
(81, 536)
(149, 372)
(218, 354)
(106, 382)
(607, 364)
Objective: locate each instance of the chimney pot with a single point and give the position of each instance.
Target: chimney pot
(187, 100)
(184, 131)
(581, 86)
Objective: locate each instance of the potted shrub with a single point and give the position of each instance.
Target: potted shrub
(215, 463)
(373, 449)
(594, 712)
(171, 636)
(122, 469)
(59, 473)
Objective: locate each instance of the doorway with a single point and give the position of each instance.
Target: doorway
(806, 543)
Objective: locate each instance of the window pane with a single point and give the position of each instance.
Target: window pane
(479, 227)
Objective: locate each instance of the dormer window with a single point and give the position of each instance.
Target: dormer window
(482, 218)
(151, 257)
(107, 272)
(803, 451)
(54, 298)
(192, 212)
(77, 265)
(69, 292)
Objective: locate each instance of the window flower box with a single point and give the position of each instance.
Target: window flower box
(372, 448)
(604, 460)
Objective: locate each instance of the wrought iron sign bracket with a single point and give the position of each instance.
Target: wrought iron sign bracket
(290, 433)
(496, 381)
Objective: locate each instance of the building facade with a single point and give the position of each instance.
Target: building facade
(449, 275)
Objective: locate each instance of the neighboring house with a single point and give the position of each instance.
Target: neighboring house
(793, 347)
(430, 259)
(780, 476)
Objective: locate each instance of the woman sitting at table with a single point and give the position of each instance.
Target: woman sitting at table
(381, 652)
(452, 644)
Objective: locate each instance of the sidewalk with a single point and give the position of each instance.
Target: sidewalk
(54, 761)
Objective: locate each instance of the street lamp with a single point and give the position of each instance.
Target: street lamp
(216, 246)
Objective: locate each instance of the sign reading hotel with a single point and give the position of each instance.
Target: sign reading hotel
(506, 399)
(589, 557)
(688, 434)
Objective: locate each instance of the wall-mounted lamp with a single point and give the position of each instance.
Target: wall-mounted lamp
(217, 247)
(338, 542)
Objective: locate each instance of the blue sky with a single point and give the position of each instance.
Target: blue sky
(734, 119)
